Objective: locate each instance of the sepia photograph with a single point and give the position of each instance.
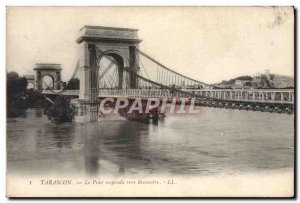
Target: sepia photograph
(131, 102)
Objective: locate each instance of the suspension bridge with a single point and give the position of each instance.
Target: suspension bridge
(111, 64)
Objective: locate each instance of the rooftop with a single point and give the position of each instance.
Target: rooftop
(107, 28)
(108, 34)
(47, 66)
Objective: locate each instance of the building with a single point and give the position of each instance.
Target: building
(268, 80)
(282, 81)
(242, 84)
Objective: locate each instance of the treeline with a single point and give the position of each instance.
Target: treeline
(61, 110)
(19, 98)
(232, 81)
(73, 84)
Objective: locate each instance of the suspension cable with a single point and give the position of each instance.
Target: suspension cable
(158, 63)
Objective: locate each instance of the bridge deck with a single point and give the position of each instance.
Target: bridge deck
(258, 95)
(283, 96)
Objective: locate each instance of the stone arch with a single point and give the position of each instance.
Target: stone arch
(51, 85)
(32, 83)
(119, 59)
(30, 80)
(117, 55)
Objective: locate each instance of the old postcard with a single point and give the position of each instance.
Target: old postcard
(150, 102)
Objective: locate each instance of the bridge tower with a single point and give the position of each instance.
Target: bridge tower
(117, 44)
(47, 69)
(30, 80)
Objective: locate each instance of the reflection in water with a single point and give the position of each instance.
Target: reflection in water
(38, 113)
(119, 143)
(91, 148)
(58, 137)
(215, 141)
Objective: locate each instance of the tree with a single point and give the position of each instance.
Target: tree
(245, 77)
(33, 98)
(73, 84)
(12, 76)
(232, 81)
(16, 84)
(16, 94)
(61, 110)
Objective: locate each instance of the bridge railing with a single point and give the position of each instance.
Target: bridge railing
(134, 93)
(62, 92)
(285, 96)
(246, 95)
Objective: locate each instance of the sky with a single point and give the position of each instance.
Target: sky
(209, 44)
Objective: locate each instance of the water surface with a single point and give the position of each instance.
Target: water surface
(212, 142)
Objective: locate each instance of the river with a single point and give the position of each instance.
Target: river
(212, 142)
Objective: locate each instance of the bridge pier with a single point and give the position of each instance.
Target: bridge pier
(88, 94)
(85, 111)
